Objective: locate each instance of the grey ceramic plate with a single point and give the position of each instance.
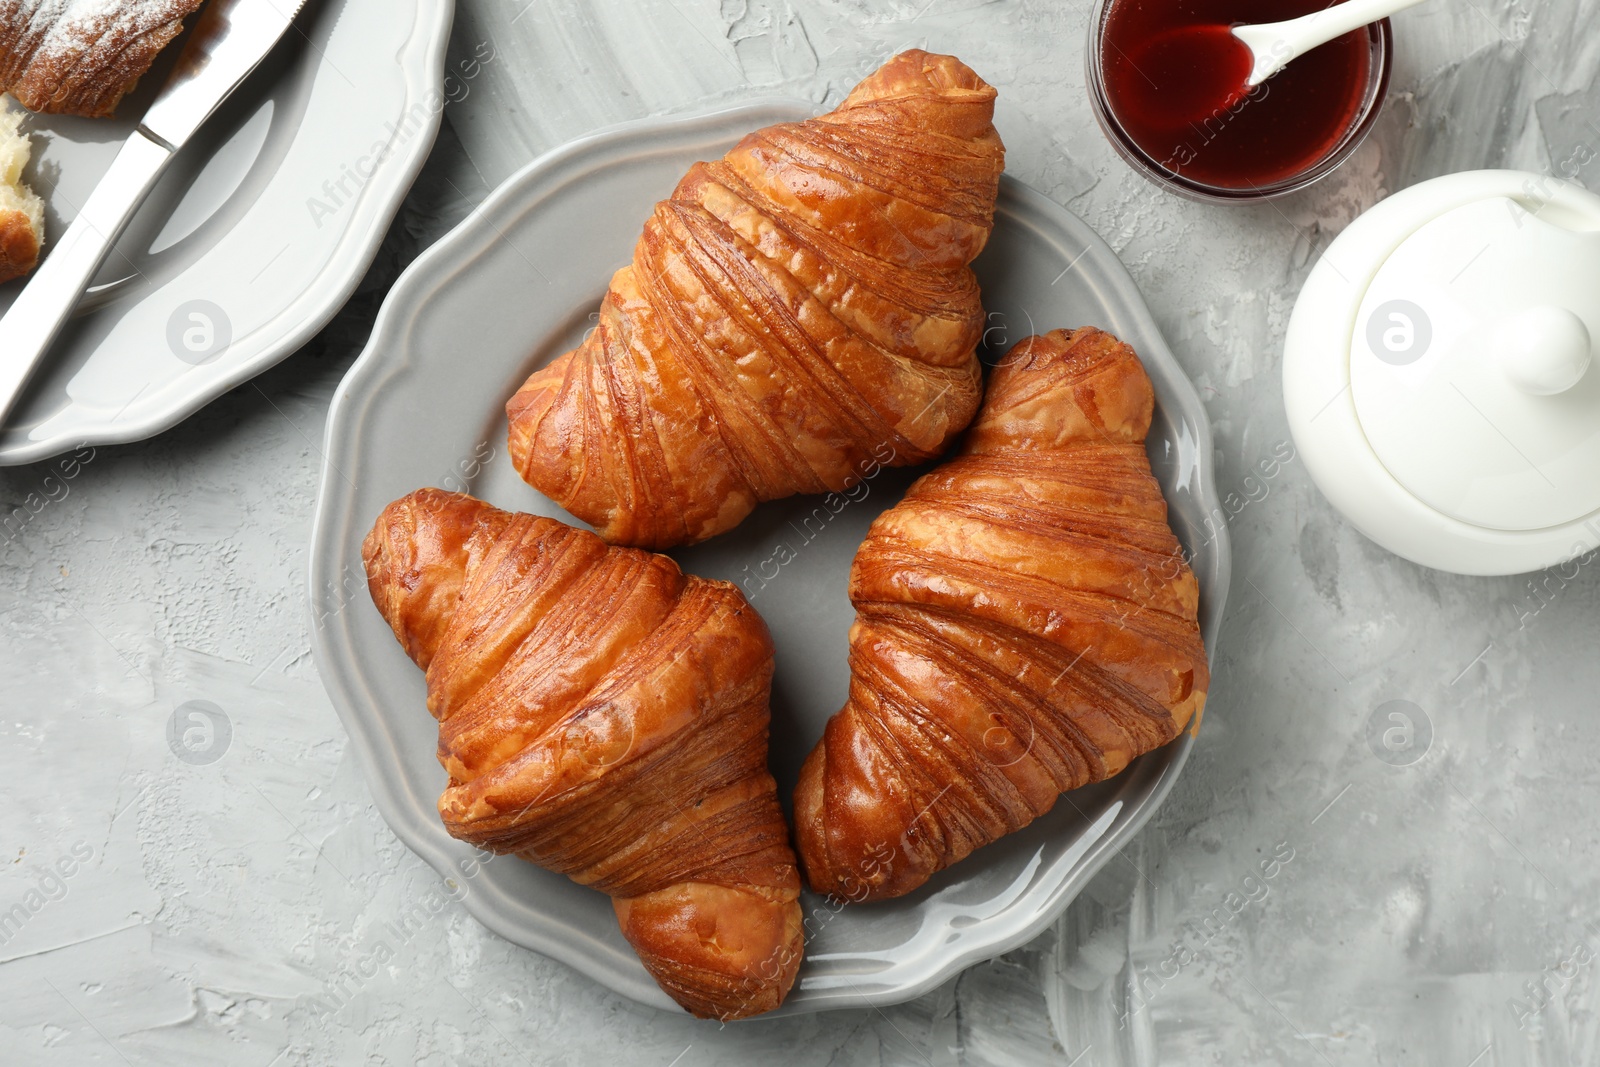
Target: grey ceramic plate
(270, 217)
(517, 284)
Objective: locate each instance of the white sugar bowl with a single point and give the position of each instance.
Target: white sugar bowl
(1437, 372)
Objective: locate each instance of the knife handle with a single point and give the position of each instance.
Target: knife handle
(58, 284)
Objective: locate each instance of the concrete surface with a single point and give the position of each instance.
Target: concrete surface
(1307, 895)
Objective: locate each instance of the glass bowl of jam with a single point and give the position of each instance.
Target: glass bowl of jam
(1169, 91)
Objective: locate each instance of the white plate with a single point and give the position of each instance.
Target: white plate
(232, 223)
(515, 285)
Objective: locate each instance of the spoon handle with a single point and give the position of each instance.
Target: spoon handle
(1276, 44)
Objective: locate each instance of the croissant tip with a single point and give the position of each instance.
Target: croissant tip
(944, 72)
(678, 932)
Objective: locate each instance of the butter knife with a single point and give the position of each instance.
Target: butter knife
(229, 41)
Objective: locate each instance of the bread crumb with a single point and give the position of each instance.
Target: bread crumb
(21, 209)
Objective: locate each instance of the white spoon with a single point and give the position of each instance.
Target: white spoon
(1225, 63)
(1274, 45)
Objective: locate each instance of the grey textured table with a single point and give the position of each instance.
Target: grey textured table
(1442, 912)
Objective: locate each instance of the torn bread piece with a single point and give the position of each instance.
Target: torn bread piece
(21, 210)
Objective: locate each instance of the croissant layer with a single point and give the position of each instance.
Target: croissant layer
(604, 716)
(1026, 624)
(794, 312)
(80, 57)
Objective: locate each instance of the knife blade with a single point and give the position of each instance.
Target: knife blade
(230, 40)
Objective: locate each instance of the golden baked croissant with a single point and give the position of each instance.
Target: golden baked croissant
(796, 309)
(21, 210)
(603, 716)
(1026, 624)
(80, 57)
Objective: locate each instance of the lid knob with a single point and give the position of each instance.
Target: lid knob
(1543, 350)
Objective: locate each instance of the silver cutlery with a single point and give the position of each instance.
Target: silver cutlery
(229, 41)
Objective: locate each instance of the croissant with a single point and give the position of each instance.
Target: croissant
(80, 57)
(1026, 624)
(21, 210)
(605, 717)
(795, 311)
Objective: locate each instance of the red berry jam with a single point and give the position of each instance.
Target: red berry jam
(1175, 82)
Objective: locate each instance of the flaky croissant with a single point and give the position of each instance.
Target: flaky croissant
(80, 57)
(21, 209)
(604, 716)
(795, 309)
(1026, 624)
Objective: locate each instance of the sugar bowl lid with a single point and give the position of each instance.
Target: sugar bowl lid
(1438, 372)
